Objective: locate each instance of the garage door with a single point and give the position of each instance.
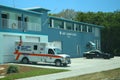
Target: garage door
(57, 44)
(32, 39)
(9, 47)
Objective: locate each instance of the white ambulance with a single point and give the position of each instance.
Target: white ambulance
(27, 52)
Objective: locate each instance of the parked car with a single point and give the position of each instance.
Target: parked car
(97, 54)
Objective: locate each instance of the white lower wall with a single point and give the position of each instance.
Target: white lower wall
(7, 44)
(1, 53)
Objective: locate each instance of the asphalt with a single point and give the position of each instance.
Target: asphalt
(79, 66)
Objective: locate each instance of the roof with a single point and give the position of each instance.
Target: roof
(37, 9)
(16, 9)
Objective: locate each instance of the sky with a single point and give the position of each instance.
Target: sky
(58, 5)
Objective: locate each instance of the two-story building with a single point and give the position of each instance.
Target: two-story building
(35, 25)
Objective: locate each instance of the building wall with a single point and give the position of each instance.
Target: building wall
(73, 42)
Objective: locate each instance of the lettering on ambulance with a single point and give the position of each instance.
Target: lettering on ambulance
(26, 48)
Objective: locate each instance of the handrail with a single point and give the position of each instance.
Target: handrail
(15, 24)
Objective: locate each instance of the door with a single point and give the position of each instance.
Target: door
(50, 58)
(9, 47)
(78, 50)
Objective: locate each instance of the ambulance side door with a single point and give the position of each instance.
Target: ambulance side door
(50, 58)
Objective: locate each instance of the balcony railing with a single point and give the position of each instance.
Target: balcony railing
(15, 24)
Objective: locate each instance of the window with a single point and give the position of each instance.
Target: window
(4, 20)
(78, 27)
(89, 28)
(32, 23)
(50, 23)
(50, 51)
(97, 32)
(35, 47)
(19, 22)
(58, 24)
(26, 22)
(69, 26)
(84, 28)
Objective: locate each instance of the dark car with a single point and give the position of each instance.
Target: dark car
(97, 54)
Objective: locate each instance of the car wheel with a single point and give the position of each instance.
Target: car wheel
(25, 60)
(58, 63)
(87, 57)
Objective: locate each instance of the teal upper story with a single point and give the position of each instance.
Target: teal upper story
(37, 19)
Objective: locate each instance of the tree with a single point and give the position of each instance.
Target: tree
(68, 14)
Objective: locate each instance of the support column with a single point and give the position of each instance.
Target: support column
(1, 51)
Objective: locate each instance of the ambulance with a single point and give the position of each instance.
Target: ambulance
(27, 52)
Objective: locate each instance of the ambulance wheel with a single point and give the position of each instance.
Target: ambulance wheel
(58, 63)
(25, 60)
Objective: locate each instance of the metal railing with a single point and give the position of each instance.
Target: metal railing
(15, 24)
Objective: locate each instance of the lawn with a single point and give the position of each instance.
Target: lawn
(104, 75)
(25, 71)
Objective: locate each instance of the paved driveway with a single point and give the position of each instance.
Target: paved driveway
(79, 66)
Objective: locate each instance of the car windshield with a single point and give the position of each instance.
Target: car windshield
(58, 51)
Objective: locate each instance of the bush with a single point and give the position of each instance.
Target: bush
(12, 69)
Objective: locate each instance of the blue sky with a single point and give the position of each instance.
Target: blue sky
(58, 5)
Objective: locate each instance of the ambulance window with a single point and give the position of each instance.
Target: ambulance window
(50, 51)
(35, 47)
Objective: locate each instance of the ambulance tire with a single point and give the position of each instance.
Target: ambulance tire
(58, 63)
(25, 60)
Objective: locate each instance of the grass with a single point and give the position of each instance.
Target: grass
(25, 71)
(104, 75)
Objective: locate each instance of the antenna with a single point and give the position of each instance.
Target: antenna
(54, 10)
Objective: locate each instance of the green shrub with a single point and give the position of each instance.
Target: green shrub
(12, 69)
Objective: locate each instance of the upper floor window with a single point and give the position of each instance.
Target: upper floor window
(50, 22)
(97, 32)
(84, 28)
(11, 20)
(58, 24)
(4, 20)
(32, 23)
(78, 27)
(89, 28)
(69, 26)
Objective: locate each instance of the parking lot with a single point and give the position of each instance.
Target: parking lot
(79, 66)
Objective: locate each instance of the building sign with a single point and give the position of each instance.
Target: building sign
(67, 34)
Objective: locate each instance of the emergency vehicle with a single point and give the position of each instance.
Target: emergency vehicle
(27, 52)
